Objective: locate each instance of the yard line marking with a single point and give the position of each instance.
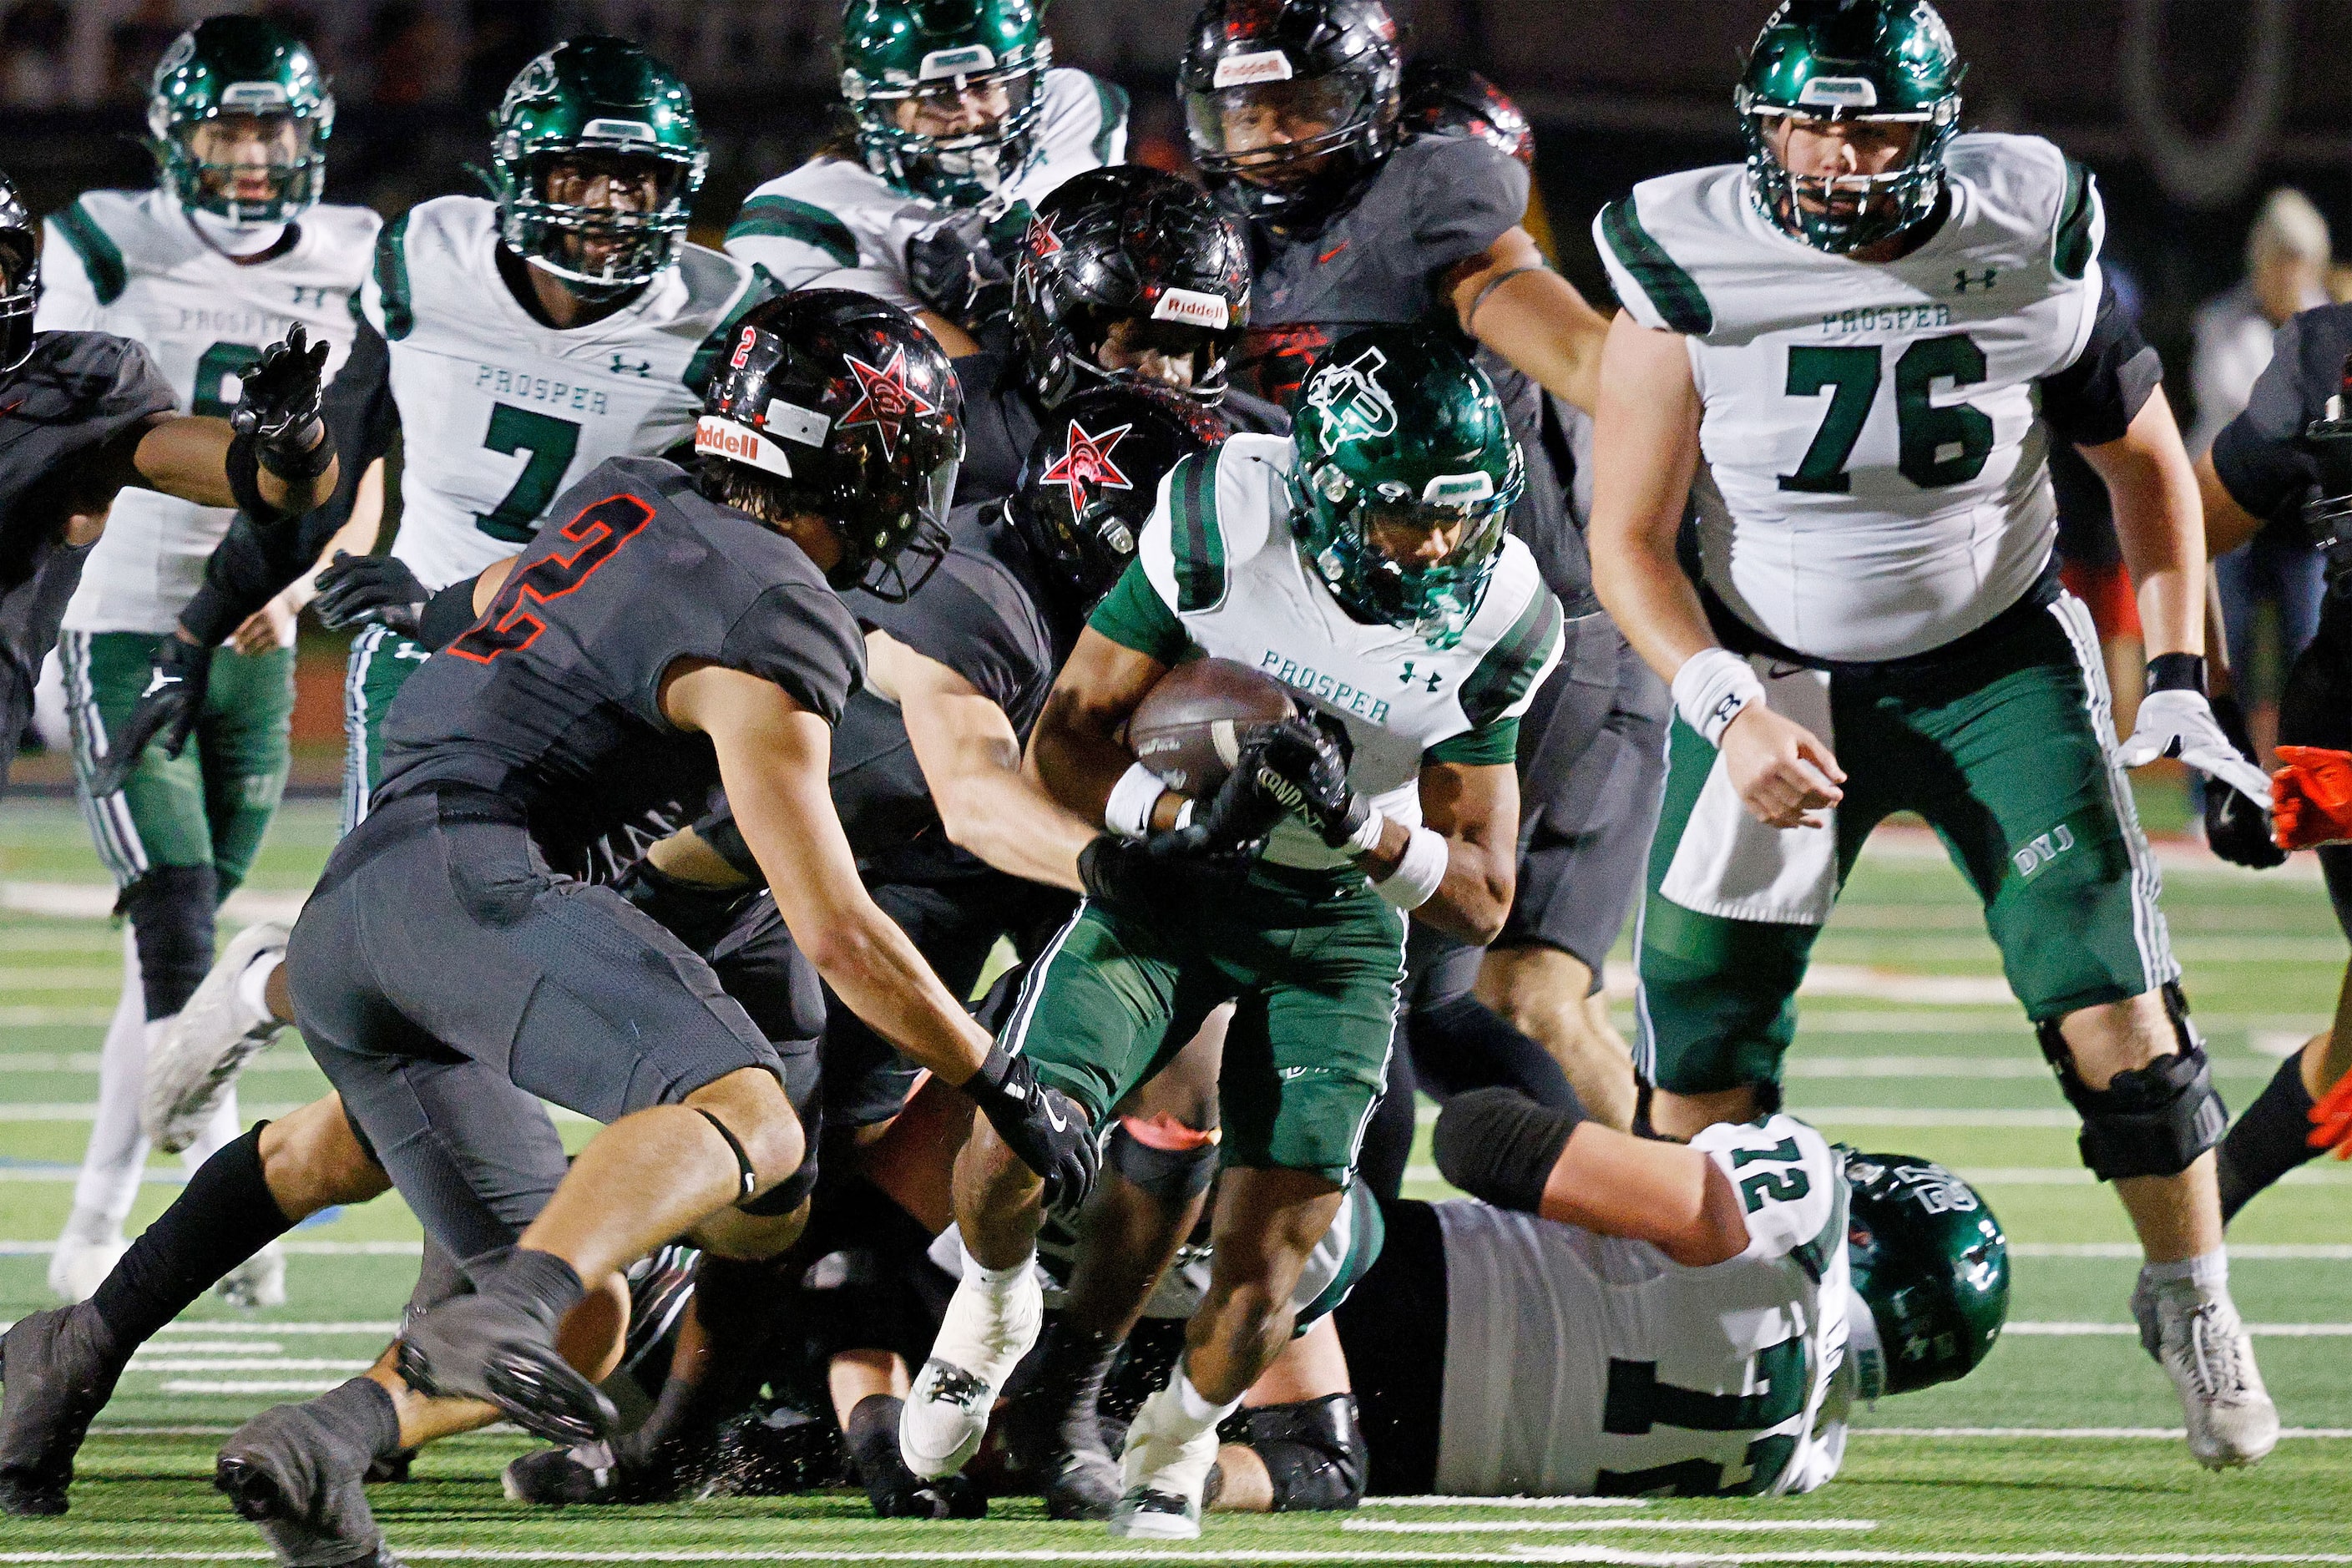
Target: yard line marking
(2158, 1434)
(104, 1430)
(1507, 1526)
(1950, 1067)
(210, 1347)
(253, 1385)
(13, 1062)
(1581, 1551)
(95, 902)
(1444, 1501)
(2271, 1330)
(87, 1110)
(2239, 1252)
(293, 1248)
(354, 1326)
(145, 1362)
(47, 1017)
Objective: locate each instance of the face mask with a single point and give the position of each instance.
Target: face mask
(234, 239)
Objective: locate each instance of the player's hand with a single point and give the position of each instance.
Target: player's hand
(1782, 772)
(1039, 1123)
(370, 590)
(697, 913)
(279, 408)
(1235, 820)
(164, 714)
(952, 270)
(2237, 825)
(2310, 798)
(2180, 722)
(266, 630)
(1149, 876)
(1301, 763)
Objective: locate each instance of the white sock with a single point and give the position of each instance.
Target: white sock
(2206, 1275)
(1198, 1415)
(221, 1129)
(111, 1164)
(1000, 1281)
(253, 986)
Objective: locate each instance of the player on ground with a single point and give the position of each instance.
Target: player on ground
(959, 128)
(228, 249)
(1851, 353)
(1368, 545)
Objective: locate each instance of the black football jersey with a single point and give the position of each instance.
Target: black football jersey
(552, 697)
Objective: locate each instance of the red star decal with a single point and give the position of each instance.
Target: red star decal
(883, 400)
(1087, 462)
(1041, 240)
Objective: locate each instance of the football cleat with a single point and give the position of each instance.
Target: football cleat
(78, 1265)
(491, 1348)
(208, 1044)
(58, 1369)
(2206, 1351)
(1163, 1475)
(555, 1478)
(981, 1340)
(257, 1282)
(292, 1472)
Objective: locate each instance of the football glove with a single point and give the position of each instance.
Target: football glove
(1149, 877)
(2237, 826)
(1304, 764)
(697, 913)
(278, 409)
(371, 590)
(2180, 724)
(953, 270)
(178, 673)
(2310, 798)
(1039, 1123)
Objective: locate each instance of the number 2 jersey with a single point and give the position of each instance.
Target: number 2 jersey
(130, 263)
(1873, 480)
(1580, 1364)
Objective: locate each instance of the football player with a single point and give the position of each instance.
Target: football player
(1862, 340)
(958, 128)
(228, 249)
(1371, 540)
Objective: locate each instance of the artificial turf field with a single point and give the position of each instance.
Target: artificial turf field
(2063, 1448)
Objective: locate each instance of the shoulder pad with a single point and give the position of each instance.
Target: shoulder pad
(1079, 105)
(1219, 507)
(2026, 184)
(1791, 1187)
(100, 254)
(1525, 625)
(748, 286)
(1659, 289)
(774, 212)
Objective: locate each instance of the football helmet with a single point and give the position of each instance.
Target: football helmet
(1400, 442)
(20, 277)
(241, 66)
(1871, 62)
(1256, 73)
(1453, 101)
(842, 406)
(1093, 477)
(1930, 1262)
(607, 101)
(1127, 244)
(975, 67)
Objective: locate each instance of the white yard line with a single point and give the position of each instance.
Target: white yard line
(2239, 1252)
(1507, 1526)
(145, 1362)
(293, 1248)
(356, 1326)
(2269, 1331)
(95, 902)
(1577, 1553)
(2153, 1434)
(1441, 1501)
(253, 1385)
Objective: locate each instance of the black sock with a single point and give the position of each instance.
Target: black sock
(223, 1216)
(2268, 1140)
(872, 1436)
(540, 1280)
(362, 1411)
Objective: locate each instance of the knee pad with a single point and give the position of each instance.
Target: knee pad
(170, 909)
(1171, 1175)
(2149, 1121)
(1314, 1452)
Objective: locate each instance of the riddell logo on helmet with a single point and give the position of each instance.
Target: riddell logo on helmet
(1192, 308)
(1263, 64)
(740, 443)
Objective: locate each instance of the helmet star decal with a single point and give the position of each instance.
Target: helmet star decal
(883, 400)
(1041, 240)
(1087, 462)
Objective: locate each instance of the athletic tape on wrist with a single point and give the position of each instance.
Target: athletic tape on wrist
(1418, 874)
(1713, 687)
(1127, 812)
(1367, 837)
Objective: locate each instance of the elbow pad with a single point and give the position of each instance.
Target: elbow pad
(1499, 1145)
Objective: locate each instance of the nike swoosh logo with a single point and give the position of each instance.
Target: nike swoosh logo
(1053, 1115)
(158, 682)
(1332, 252)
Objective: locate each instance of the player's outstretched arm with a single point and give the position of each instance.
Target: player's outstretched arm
(1510, 300)
(2160, 524)
(2227, 524)
(1074, 753)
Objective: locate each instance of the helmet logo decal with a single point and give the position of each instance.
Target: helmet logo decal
(618, 131)
(740, 443)
(1839, 92)
(883, 400)
(1458, 489)
(183, 50)
(253, 97)
(961, 61)
(1192, 308)
(794, 423)
(1088, 462)
(1262, 65)
(1041, 240)
(537, 81)
(1354, 405)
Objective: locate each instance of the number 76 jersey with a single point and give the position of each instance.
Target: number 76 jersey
(500, 413)
(1873, 478)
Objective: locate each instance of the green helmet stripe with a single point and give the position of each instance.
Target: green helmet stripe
(1675, 292)
(1813, 1256)
(101, 258)
(2071, 254)
(1110, 102)
(1198, 543)
(392, 277)
(1503, 677)
(763, 287)
(781, 218)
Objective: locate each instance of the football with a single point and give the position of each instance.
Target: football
(1190, 728)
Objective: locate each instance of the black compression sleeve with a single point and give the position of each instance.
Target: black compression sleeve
(1499, 1145)
(446, 615)
(2094, 401)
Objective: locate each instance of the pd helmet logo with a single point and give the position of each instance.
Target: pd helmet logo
(1088, 462)
(1354, 405)
(883, 400)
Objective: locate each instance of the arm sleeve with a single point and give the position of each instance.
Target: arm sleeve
(1469, 196)
(2260, 456)
(2094, 401)
(801, 636)
(1134, 616)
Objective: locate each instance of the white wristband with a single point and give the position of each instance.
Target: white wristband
(1367, 837)
(1417, 876)
(1712, 688)
(1127, 812)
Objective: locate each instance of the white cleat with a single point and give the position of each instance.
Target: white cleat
(1162, 1476)
(981, 1340)
(78, 1267)
(259, 1281)
(203, 1049)
(2205, 1349)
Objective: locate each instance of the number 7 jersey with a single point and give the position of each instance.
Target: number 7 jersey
(1872, 482)
(500, 413)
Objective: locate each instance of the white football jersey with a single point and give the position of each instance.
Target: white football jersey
(1872, 481)
(1219, 552)
(1579, 1364)
(500, 413)
(833, 223)
(130, 263)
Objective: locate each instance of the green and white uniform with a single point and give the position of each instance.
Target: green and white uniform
(1309, 951)
(834, 224)
(499, 413)
(1875, 526)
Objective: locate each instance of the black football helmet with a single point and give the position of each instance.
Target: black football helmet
(1454, 100)
(1330, 63)
(1093, 478)
(842, 405)
(1128, 242)
(20, 277)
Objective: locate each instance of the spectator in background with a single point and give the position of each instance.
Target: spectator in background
(134, 44)
(2287, 256)
(33, 38)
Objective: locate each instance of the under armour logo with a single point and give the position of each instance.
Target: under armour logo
(1434, 679)
(306, 294)
(620, 367)
(1963, 280)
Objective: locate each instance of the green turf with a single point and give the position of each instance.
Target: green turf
(1958, 1080)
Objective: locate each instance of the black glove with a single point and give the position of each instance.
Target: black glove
(953, 271)
(1149, 877)
(371, 590)
(1039, 1123)
(697, 913)
(1235, 820)
(1304, 765)
(278, 409)
(2237, 828)
(164, 714)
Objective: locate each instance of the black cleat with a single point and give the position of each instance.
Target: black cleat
(1084, 1486)
(898, 1493)
(557, 1478)
(292, 1472)
(59, 1368)
(491, 1348)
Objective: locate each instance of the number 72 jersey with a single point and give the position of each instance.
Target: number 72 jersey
(500, 413)
(1874, 480)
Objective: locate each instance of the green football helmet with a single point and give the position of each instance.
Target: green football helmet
(607, 102)
(236, 68)
(1399, 441)
(1930, 1262)
(976, 68)
(1873, 62)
